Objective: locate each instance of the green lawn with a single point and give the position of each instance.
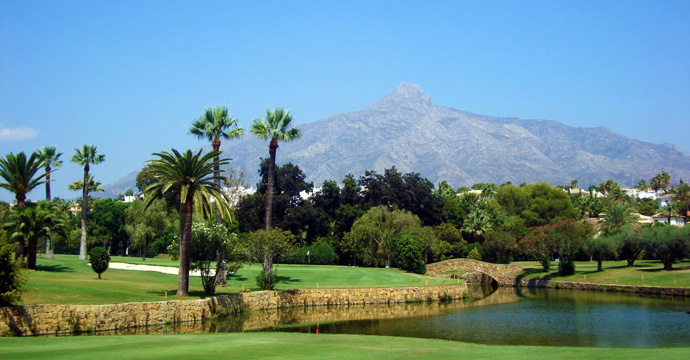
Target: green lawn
(297, 346)
(67, 280)
(645, 272)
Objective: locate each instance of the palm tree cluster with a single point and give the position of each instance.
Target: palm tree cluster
(20, 175)
(34, 223)
(194, 178)
(660, 181)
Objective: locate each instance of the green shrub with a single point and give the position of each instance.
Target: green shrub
(319, 254)
(566, 267)
(100, 260)
(11, 273)
(267, 280)
(474, 254)
(407, 253)
(209, 243)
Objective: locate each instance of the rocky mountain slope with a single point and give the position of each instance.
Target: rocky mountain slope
(406, 130)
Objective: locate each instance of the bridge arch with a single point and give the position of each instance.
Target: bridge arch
(498, 273)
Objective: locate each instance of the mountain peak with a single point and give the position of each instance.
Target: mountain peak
(406, 95)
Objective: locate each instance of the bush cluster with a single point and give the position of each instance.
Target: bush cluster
(406, 252)
(266, 280)
(11, 273)
(319, 254)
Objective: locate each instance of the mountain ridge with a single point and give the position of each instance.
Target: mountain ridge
(406, 130)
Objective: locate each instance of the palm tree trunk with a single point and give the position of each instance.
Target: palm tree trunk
(84, 209)
(49, 253)
(48, 183)
(31, 255)
(221, 274)
(185, 244)
(269, 185)
(49, 240)
(216, 172)
(20, 249)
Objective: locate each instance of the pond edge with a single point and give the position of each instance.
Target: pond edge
(25, 320)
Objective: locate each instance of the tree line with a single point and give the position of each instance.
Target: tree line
(378, 219)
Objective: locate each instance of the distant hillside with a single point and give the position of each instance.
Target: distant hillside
(404, 129)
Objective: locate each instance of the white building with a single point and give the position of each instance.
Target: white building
(676, 220)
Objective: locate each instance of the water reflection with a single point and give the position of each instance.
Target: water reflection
(504, 316)
(544, 317)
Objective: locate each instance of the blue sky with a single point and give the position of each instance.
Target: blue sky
(130, 76)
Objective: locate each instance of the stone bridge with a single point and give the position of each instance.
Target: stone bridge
(502, 274)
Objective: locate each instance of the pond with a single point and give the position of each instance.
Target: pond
(506, 316)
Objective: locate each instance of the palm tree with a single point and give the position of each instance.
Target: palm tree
(51, 160)
(212, 126)
(477, 223)
(642, 185)
(665, 179)
(19, 176)
(607, 186)
(681, 194)
(661, 181)
(34, 223)
(616, 194)
(192, 177)
(94, 186)
(85, 156)
(617, 216)
(276, 126)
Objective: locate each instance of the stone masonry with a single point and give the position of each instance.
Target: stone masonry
(56, 319)
(502, 273)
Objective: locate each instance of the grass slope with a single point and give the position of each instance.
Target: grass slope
(297, 346)
(644, 272)
(67, 280)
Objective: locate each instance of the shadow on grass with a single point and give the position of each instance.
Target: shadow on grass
(661, 269)
(54, 268)
(532, 271)
(236, 278)
(620, 267)
(287, 279)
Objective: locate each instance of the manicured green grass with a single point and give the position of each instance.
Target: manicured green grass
(67, 280)
(297, 346)
(644, 272)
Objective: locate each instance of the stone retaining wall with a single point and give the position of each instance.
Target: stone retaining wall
(660, 290)
(56, 319)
